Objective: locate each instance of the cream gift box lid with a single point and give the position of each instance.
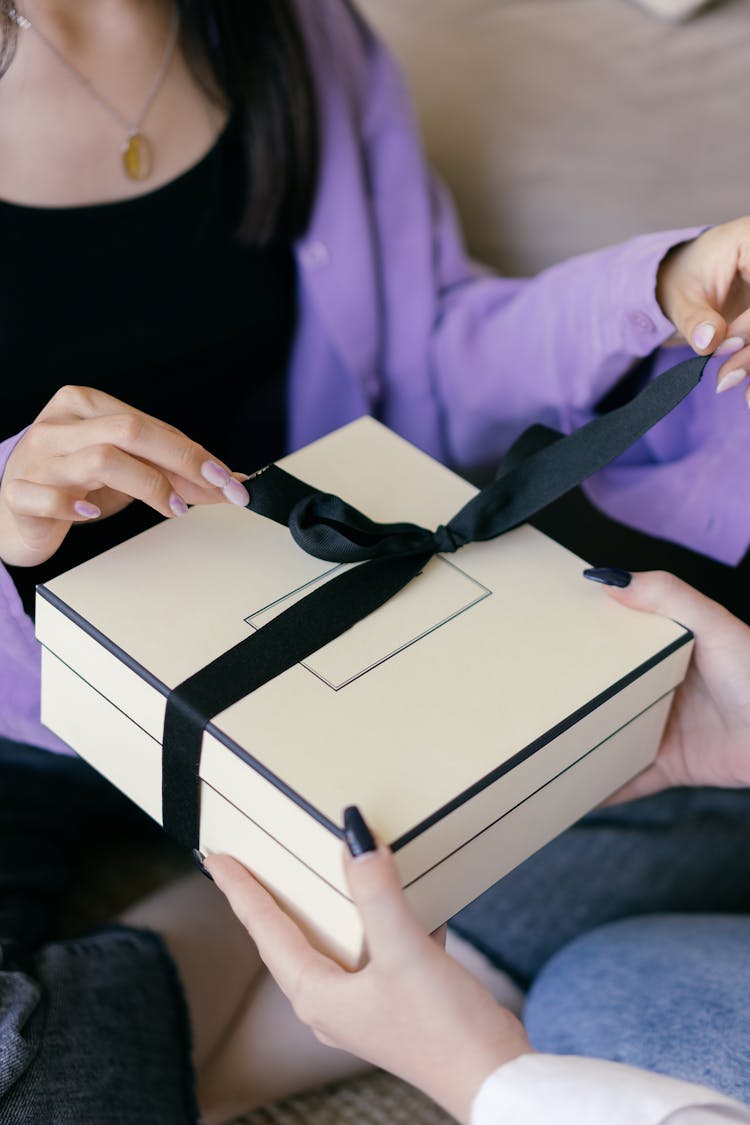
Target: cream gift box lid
(475, 665)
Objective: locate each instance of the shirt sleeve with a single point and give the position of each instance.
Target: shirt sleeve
(569, 1090)
(492, 355)
(6, 448)
(19, 658)
(501, 353)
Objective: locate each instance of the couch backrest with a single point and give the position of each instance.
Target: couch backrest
(564, 125)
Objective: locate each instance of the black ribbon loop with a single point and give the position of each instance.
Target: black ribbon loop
(540, 468)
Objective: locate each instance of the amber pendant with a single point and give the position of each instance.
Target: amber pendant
(136, 156)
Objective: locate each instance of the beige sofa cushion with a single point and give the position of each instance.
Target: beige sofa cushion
(563, 125)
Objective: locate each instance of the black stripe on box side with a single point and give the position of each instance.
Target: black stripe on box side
(535, 792)
(541, 742)
(103, 640)
(311, 810)
(284, 847)
(134, 666)
(465, 843)
(313, 870)
(289, 793)
(111, 702)
(274, 780)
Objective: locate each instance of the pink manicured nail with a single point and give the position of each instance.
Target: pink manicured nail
(703, 335)
(730, 346)
(88, 511)
(178, 505)
(236, 493)
(731, 379)
(214, 474)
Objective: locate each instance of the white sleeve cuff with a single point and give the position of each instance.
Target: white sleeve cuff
(566, 1089)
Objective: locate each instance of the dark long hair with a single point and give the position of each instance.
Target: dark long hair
(257, 60)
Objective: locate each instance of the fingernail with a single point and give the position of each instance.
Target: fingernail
(703, 335)
(178, 505)
(731, 379)
(608, 575)
(199, 857)
(358, 836)
(214, 474)
(730, 346)
(88, 511)
(236, 493)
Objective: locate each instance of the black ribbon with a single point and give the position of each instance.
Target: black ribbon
(541, 467)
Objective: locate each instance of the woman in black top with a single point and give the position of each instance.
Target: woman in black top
(134, 284)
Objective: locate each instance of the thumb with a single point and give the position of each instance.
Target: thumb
(656, 591)
(703, 327)
(375, 884)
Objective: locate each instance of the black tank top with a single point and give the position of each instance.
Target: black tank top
(156, 302)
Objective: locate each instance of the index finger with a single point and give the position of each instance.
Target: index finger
(72, 401)
(283, 947)
(149, 440)
(82, 416)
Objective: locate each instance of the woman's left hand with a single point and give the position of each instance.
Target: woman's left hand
(703, 287)
(706, 741)
(412, 1010)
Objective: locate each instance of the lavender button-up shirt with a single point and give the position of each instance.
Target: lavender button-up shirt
(395, 320)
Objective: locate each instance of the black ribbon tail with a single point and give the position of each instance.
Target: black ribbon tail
(530, 442)
(275, 493)
(559, 466)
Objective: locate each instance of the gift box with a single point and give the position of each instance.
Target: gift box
(480, 711)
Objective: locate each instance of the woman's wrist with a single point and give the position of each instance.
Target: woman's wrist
(472, 1063)
(662, 279)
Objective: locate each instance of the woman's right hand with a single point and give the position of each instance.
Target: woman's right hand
(86, 456)
(707, 737)
(411, 1009)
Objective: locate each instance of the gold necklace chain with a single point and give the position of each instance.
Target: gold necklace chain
(135, 150)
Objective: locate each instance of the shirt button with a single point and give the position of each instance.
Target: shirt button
(641, 322)
(314, 255)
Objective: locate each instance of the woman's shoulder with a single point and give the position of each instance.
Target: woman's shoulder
(335, 23)
(340, 42)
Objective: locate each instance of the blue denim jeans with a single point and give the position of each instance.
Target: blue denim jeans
(683, 851)
(93, 1030)
(666, 992)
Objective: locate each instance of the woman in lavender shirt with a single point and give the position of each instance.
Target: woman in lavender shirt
(220, 241)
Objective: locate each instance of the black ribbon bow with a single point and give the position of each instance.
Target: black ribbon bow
(541, 467)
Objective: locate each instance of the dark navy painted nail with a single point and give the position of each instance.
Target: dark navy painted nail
(199, 857)
(358, 836)
(608, 575)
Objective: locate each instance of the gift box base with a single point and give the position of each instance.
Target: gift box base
(535, 801)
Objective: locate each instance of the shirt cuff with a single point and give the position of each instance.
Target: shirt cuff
(569, 1090)
(634, 283)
